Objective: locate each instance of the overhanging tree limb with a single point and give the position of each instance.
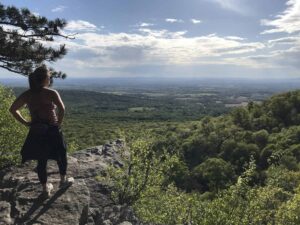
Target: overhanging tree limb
(21, 37)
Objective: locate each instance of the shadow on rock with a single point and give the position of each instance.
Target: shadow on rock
(42, 204)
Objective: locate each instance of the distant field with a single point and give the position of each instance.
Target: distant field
(236, 105)
(140, 109)
(200, 94)
(115, 92)
(155, 94)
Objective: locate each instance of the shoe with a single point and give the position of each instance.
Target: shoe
(67, 182)
(47, 192)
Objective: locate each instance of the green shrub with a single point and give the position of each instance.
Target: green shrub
(12, 133)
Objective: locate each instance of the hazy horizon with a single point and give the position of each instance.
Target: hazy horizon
(98, 84)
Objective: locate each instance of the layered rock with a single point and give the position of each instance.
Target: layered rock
(86, 201)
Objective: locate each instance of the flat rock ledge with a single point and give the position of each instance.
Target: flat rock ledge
(86, 201)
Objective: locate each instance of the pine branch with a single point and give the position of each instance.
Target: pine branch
(20, 48)
(71, 36)
(12, 70)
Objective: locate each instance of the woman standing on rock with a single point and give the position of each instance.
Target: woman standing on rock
(45, 139)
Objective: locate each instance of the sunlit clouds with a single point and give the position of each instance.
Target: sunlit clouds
(81, 26)
(158, 47)
(150, 45)
(175, 37)
(286, 49)
(288, 21)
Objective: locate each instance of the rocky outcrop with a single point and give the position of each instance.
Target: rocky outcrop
(86, 201)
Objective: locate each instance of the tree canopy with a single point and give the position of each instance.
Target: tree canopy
(25, 38)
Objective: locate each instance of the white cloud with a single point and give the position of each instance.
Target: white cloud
(195, 21)
(59, 8)
(288, 21)
(155, 47)
(11, 28)
(235, 38)
(146, 24)
(162, 33)
(289, 57)
(285, 58)
(284, 51)
(81, 26)
(36, 13)
(292, 40)
(173, 20)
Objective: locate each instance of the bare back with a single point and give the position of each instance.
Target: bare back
(41, 106)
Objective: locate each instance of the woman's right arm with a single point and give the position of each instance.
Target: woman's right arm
(16, 105)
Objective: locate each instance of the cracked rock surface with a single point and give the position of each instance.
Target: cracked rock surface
(86, 201)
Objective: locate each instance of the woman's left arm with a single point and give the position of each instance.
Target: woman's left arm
(16, 105)
(60, 105)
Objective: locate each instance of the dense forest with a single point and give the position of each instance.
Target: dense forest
(241, 167)
(238, 168)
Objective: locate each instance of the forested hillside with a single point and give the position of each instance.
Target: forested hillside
(238, 168)
(215, 150)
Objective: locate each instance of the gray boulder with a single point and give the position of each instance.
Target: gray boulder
(86, 201)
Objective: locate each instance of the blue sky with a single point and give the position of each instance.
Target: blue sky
(176, 38)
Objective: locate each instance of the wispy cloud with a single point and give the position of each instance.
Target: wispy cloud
(284, 58)
(291, 40)
(288, 21)
(173, 20)
(232, 5)
(286, 49)
(143, 24)
(195, 21)
(81, 26)
(235, 38)
(162, 33)
(59, 8)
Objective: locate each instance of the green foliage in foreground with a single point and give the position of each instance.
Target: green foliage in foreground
(12, 133)
(143, 182)
(143, 168)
